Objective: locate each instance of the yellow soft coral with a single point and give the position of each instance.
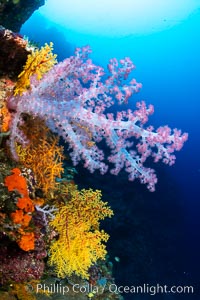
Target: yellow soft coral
(80, 241)
(43, 155)
(39, 62)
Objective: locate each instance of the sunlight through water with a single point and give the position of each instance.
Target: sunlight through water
(118, 18)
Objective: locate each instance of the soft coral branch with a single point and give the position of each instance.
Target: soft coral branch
(72, 98)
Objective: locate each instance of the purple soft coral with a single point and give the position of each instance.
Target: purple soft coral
(72, 98)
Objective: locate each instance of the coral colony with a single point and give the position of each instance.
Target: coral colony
(47, 223)
(73, 97)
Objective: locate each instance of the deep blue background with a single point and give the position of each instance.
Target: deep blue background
(155, 235)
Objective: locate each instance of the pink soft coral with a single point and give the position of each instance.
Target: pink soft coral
(72, 98)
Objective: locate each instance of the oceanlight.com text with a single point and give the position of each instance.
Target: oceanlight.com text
(151, 289)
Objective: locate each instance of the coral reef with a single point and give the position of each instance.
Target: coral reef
(19, 266)
(50, 230)
(13, 53)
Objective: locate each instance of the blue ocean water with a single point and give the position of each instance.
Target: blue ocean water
(155, 235)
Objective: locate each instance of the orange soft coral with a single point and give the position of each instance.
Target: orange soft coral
(19, 217)
(22, 215)
(5, 118)
(26, 204)
(16, 182)
(26, 241)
